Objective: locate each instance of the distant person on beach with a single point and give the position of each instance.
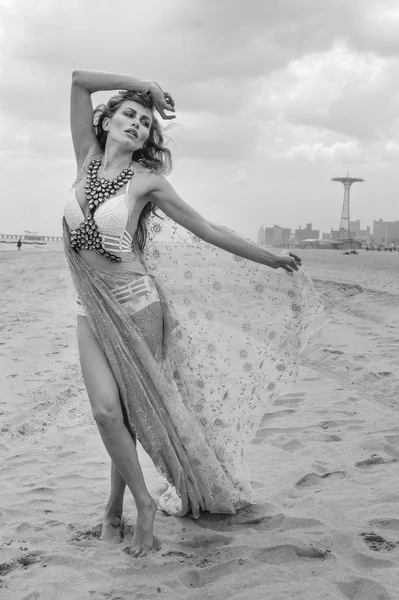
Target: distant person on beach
(186, 330)
(19, 244)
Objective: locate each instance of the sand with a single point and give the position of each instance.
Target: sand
(325, 460)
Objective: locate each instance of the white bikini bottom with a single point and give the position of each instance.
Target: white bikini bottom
(138, 293)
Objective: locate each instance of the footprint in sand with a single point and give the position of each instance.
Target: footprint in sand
(364, 589)
(386, 523)
(392, 439)
(378, 543)
(198, 578)
(23, 561)
(32, 596)
(312, 479)
(178, 553)
(352, 424)
(6, 567)
(284, 553)
(330, 438)
(86, 534)
(207, 542)
(374, 460)
(276, 415)
(277, 437)
(289, 399)
(291, 446)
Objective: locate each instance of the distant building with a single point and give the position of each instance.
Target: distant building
(365, 234)
(326, 237)
(307, 234)
(386, 232)
(273, 236)
(347, 244)
(354, 227)
(359, 234)
(313, 243)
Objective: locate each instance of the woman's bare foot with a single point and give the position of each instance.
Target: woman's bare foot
(143, 540)
(111, 529)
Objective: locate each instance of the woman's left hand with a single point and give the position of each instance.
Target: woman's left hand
(162, 100)
(288, 261)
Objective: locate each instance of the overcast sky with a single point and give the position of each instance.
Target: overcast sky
(273, 98)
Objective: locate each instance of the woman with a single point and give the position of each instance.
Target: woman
(148, 373)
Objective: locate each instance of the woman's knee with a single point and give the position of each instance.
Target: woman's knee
(107, 412)
(100, 383)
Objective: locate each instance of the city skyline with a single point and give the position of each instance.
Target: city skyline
(380, 231)
(51, 235)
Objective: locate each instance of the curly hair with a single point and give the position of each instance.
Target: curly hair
(154, 156)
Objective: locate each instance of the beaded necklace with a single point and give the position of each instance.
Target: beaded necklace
(87, 236)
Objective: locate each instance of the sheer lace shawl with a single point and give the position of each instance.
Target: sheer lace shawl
(233, 333)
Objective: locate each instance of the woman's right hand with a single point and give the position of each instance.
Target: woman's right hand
(288, 261)
(162, 100)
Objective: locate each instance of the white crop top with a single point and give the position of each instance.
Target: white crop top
(111, 218)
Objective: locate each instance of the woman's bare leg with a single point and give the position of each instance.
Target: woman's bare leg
(112, 523)
(111, 530)
(104, 397)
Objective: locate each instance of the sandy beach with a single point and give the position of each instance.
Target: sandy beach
(325, 460)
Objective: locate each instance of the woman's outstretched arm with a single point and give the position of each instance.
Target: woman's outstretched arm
(85, 83)
(166, 198)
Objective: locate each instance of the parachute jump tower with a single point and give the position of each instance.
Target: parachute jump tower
(344, 228)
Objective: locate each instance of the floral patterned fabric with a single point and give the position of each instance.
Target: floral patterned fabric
(232, 334)
(239, 328)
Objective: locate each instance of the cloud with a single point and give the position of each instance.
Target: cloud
(339, 90)
(337, 152)
(378, 26)
(242, 177)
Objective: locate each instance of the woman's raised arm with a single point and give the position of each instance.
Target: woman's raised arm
(85, 83)
(166, 198)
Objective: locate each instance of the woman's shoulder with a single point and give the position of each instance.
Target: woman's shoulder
(142, 169)
(151, 179)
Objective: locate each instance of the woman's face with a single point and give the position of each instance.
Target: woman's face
(130, 125)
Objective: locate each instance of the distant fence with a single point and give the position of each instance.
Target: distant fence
(29, 238)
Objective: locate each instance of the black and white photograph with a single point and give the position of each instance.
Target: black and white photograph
(199, 300)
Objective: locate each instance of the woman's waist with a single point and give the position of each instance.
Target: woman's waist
(129, 263)
(121, 243)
